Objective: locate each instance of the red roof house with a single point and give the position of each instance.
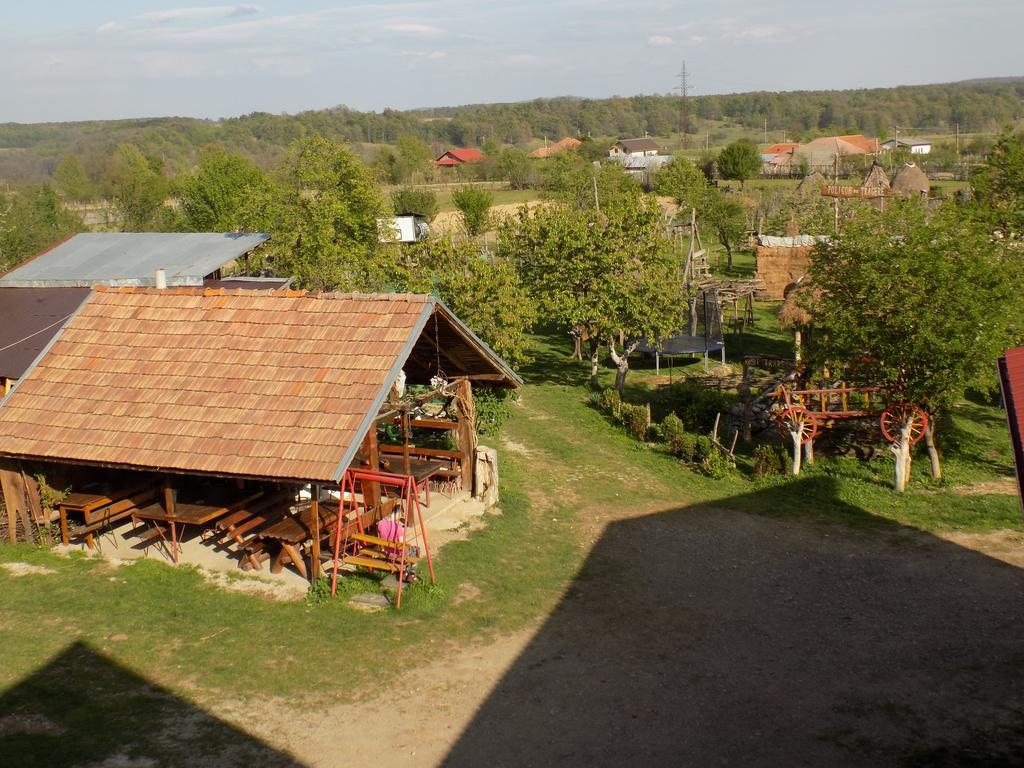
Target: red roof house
(461, 156)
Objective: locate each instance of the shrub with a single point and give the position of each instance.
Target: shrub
(694, 403)
(670, 428)
(493, 406)
(703, 449)
(683, 446)
(634, 418)
(715, 465)
(610, 402)
(407, 200)
(768, 460)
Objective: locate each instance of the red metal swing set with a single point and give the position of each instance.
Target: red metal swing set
(806, 411)
(395, 554)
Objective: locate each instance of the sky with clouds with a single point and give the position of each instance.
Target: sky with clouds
(74, 60)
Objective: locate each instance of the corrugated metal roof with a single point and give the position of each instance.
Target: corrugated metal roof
(132, 258)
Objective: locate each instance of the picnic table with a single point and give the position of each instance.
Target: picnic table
(421, 470)
(184, 514)
(292, 531)
(100, 509)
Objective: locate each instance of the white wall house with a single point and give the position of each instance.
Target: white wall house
(916, 146)
(633, 148)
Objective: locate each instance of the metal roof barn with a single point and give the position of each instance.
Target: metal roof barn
(132, 259)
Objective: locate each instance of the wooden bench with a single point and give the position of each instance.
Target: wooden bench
(95, 510)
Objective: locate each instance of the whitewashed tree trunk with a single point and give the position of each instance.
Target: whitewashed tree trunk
(901, 451)
(933, 451)
(621, 362)
(797, 451)
(809, 451)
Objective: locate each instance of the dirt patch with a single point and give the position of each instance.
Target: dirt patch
(515, 447)
(1006, 486)
(466, 592)
(1007, 546)
(270, 590)
(25, 569)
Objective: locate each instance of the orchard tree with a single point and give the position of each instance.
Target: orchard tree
(474, 206)
(999, 186)
(485, 292)
(740, 161)
(213, 199)
(514, 166)
(606, 272)
(322, 211)
(683, 182)
(928, 303)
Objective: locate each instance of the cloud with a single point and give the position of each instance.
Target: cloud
(199, 13)
(416, 29)
(760, 34)
(659, 41)
(110, 26)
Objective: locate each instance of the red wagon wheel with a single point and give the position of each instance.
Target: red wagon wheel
(894, 417)
(800, 421)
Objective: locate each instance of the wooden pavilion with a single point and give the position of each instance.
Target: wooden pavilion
(226, 412)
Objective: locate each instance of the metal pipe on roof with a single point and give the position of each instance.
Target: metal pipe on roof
(161, 278)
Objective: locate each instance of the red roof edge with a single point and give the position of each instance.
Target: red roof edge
(1011, 381)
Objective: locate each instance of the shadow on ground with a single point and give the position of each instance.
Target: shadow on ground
(82, 708)
(704, 637)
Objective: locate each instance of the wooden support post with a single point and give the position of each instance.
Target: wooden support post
(371, 490)
(465, 431)
(170, 504)
(314, 549)
(406, 437)
(13, 488)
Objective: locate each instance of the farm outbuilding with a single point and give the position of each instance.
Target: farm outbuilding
(781, 262)
(218, 411)
(459, 156)
(644, 147)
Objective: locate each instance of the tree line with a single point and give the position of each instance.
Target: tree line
(31, 152)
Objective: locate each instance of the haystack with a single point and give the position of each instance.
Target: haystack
(810, 184)
(911, 181)
(876, 178)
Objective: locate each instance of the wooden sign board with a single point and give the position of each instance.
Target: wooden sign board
(843, 190)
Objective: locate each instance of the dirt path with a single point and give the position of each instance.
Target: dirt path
(696, 635)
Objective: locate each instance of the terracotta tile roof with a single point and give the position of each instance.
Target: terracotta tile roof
(776, 149)
(232, 382)
(459, 156)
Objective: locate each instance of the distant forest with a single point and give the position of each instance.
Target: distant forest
(29, 153)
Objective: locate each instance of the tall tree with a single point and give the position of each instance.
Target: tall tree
(322, 212)
(72, 181)
(486, 292)
(740, 161)
(214, 198)
(929, 304)
(474, 206)
(32, 221)
(140, 190)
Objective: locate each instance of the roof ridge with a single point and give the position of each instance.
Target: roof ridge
(283, 293)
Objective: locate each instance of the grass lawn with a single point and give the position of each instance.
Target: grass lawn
(565, 469)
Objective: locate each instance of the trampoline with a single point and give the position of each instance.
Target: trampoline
(705, 332)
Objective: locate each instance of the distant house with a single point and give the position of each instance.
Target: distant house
(642, 167)
(633, 148)
(568, 144)
(821, 154)
(916, 146)
(462, 156)
(778, 158)
(404, 228)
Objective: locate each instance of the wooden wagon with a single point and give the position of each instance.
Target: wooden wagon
(805, 412)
